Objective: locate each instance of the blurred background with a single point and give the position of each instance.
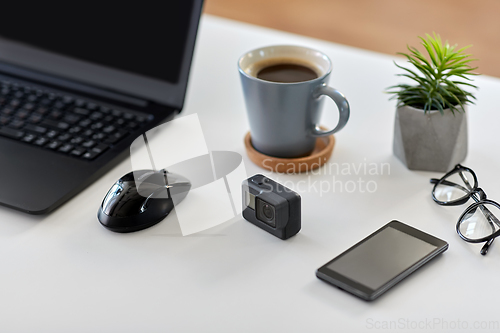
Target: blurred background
(385, 26)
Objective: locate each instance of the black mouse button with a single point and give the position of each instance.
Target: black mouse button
(149, 189)
(138, 175)
(157, 178)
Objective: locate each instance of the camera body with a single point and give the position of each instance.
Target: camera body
(271, 206)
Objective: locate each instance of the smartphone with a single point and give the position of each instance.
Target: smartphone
(381, 260)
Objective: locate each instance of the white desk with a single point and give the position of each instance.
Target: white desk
(66, 273)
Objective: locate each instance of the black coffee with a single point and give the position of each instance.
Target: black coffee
(287, 73)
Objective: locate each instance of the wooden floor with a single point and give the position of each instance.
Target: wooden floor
(381, 25)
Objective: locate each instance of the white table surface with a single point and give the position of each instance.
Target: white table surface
(66, 273)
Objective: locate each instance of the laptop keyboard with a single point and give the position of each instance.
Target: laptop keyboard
(73, 126)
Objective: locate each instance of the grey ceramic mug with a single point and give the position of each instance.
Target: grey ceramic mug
(284, 117)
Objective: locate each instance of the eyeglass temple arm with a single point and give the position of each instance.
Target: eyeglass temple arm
(486, 247)
(445, 182)
(448, 183)
(491, 219)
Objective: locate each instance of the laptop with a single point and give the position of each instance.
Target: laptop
(78, 84)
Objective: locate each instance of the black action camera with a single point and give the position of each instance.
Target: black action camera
(271, 206)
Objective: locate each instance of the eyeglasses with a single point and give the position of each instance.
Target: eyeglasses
(479, 222)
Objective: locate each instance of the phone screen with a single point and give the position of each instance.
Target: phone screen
(381, 258)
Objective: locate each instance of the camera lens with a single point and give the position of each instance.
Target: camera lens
(268, 211)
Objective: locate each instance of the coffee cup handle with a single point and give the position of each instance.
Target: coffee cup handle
(342, 105)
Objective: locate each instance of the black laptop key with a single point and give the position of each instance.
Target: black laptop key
(132, 125)
(54, 144)
(32, 98)
(56, 114)
(62, 125)
(88, 144)
(99, 136)
(64, 137)
(4, 120)
(75, 130)
(100, 148)
(92, 106)
(108, 129)
(42, 110)
(128, 116)
(55, 124)
(71, 119)
(29, 138)
(35, 129)
(22, 114)
(19, 94)
(59, 105)
(117, 136)
(66, 148)
(88, 132)
(7, 111)
(15, 103)
(68, 100)
(81, 111)
(77, 140)
(85, 122)
(11, 133)
(93, 153)
(78, 152)
(90, 155)
(96, 115)
(35, 118)
(52, 134)
(29, 106)
(97, 126)
(41, 141)
(108, 119)
(79, 103)
(45, 102)
(16, 124)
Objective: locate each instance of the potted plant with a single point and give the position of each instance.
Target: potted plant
(430, 131)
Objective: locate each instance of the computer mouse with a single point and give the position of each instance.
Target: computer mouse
(140, 199)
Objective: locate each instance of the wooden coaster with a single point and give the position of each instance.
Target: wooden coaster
(321, 153)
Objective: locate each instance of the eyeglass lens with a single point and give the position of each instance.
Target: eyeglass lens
(480, 221)
(454, 187)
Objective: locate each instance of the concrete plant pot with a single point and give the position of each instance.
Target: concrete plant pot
(430, 141)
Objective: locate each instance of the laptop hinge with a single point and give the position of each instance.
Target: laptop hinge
(48, 79)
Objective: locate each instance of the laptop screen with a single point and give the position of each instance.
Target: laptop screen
(119, 47)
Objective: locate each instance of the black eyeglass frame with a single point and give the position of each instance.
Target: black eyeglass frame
(472, 192)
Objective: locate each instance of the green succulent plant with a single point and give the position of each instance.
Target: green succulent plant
(438, 77)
